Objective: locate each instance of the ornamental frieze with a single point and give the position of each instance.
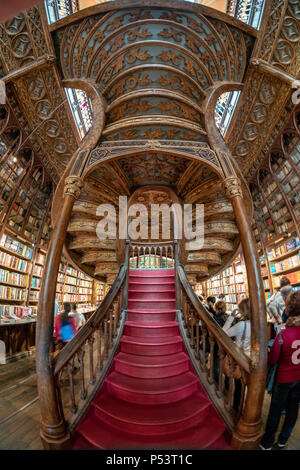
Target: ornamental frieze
(194, 150)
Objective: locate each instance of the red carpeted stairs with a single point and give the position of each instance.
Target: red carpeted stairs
(151, 397)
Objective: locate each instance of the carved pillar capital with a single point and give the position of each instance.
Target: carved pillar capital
(233, 187)
(73, 185)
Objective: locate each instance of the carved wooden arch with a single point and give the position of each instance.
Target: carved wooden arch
(109, 151)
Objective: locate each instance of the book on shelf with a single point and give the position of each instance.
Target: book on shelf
(13, 262)
(16, 246)
(12, 293)
(12, 278)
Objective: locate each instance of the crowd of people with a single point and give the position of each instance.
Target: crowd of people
(283, 310)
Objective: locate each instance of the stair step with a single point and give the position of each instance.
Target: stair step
(155, 329)
(103, 436)
(151, 315)
(152, 392)
(154, 419)
(146, 295)
(145, 303)
(151, 367)
(151, 287)
(155, 273)
(159, 346)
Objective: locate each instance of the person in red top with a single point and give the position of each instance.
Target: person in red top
(286, 392)
(64, 326)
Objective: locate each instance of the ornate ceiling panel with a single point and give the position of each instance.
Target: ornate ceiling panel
(265, 103)
(154, 66)
(153, 168)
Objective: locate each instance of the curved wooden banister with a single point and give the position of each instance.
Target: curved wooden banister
(219, 363)
(85, 332)
(223, 339)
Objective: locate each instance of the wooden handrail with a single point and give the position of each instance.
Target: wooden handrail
(83, 334)
(229, 346)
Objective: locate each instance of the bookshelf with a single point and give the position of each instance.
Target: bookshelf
(99, 292)
(74, 286)
(232, 282)
(275, 190)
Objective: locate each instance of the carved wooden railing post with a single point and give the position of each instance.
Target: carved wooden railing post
(249, 428)
(53, 429)
(177, 282)
(125, 290)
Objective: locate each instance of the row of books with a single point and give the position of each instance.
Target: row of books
(36, 282)
(85, 283)
(293, 277)
(281, 250)
(288, 263)
(13, 262)
(16, 312)
(12, 277)
(84, 290)
(34, 295)
(38, 270)
(266, 283)
(12, 293)
(40, 258)
(16, 246)
(69, 289)
(228, 280)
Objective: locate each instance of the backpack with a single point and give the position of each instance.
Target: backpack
(66, 332)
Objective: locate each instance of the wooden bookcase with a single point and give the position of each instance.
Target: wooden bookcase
(275, 189)
(232, 282)
(74, 286)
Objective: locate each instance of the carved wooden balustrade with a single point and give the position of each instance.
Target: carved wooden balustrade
(222, 367)
(81, 366)
(152, 255)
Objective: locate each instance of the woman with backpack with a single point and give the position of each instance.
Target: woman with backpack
(286, 391)
(64, 327)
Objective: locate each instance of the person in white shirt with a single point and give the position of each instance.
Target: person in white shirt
(78, 317)
(241, 330)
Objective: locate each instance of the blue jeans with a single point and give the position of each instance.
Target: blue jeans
(285, 396)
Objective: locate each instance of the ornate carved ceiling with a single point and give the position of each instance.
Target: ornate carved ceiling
(155, 66)
(265, 103)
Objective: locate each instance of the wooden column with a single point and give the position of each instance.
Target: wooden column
(53, 430)
(249, 428)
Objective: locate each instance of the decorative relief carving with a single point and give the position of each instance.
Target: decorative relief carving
(73, 185)
(194, 150)
(22, 40)
(233, 187)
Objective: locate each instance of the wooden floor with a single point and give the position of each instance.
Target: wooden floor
(19, 408)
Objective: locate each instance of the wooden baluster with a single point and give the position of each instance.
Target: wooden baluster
(203, 342)
(116, 312)
(197, 355)
(70, 368)
(220, 388)
(172, 256)
(211, 358)
(91, 341)
(100, 352)
(160, 257)
(111, 325)
(138, 257)
(192, 321)
(230, 392)
(81, 355)
(105, 338)
(243, 393)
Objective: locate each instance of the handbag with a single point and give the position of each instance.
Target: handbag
(272, 371)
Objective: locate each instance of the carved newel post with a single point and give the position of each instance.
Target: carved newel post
(249, 428)
(53, 429)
